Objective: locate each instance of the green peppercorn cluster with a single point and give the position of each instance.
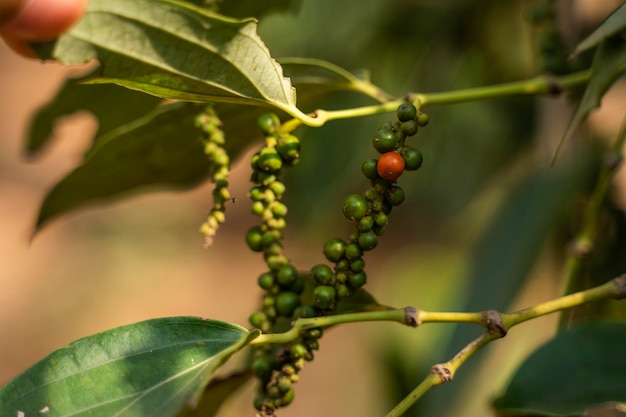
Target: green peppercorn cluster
(276, 367)
(213, 141)
(369, 212)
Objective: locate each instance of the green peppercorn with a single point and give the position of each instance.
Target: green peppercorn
(385, 141)
(353, 251)
(368, 240)
(354, 207)
(286, 276)
(406, 111)
(381, 219)
(324, 296)
(357, 280)
(314, 333)
(412, 158)
(422, 119)
(268, 123)
(369, 169)
(278, 188)
(270, 161)
(297, 351)
(254, 239)
(343, 292)
(266, 280)
(257, 319)
(409, 128)
(263, 367)
(288, 147)
(395, 195)
(304, 312)
(334, 249)
(357, 265)
(365, 224)
(322, 274)
(286, 303)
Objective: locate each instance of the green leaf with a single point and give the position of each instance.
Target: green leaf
(315, 77)
(161, 149)
(215, 394)
(611, 26)
(609, 62)
(578, 369)
(151, 368)
(173, 49)
(112, 105)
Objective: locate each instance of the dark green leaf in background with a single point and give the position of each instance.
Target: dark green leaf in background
(578, 369)
(161, 149)
(509, 247)
(151, 368)
(112, 105)
(173, 49)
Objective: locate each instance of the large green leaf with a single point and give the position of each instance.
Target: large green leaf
(578, 369)
(161, 149)
(112, 105)
(152, 368)
(173, 49)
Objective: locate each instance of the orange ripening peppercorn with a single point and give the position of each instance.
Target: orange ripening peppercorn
(390, 166)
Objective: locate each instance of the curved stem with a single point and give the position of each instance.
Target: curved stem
(403, 316)
(497, 326)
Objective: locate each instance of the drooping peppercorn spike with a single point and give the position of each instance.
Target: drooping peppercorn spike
(369, 211)
(276, 367)
(213, 141)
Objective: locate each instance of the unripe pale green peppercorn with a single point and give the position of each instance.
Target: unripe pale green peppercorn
(409, 128)
(422, 119)
(297, 351)
(268, 123)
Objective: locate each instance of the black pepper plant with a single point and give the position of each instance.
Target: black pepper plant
(214, 71)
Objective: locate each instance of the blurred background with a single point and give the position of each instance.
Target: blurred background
(455, 244)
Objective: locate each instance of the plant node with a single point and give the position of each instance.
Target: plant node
(494, 323)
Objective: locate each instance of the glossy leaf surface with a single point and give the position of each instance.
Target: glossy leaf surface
(151, 368)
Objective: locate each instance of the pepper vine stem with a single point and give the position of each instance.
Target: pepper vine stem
(498, 326)
(534, 86)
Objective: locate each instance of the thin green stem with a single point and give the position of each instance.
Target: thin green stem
(612, 289)
(497, 326)
(445, 317)
(402, 316)
(533, 86)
